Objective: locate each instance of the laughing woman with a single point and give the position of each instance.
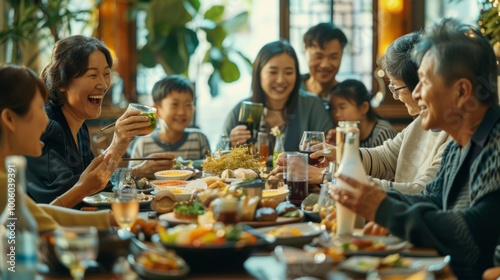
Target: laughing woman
(22, 122)
(77, 78)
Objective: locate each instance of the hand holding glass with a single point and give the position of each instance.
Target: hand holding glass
(148, 111)
(76, 247)
(250, 114)
(312, 141)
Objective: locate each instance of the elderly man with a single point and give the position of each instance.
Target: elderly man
(457, 214)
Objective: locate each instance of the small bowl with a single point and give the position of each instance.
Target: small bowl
(277, 194)
(137, 248)
(173, 174)
(310, 200)
(180, 194)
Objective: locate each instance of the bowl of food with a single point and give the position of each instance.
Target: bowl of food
(151, 262)
(174, 174)
(221, 247)
(310, 207)
(180, 193)
(143, 185)
(277, 194)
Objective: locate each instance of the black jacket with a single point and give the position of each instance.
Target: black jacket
(61, 163)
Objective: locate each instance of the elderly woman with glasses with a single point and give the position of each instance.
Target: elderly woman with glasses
(411, 159)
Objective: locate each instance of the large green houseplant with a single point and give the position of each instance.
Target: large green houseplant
(32, 26)
(176, 28)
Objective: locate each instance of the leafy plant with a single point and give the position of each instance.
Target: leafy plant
(176, 28)
(34, 21)
(489, 21)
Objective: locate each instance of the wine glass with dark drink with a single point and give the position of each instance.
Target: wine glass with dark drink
(312, 141)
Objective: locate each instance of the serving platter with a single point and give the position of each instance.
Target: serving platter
(105, 199)
(297, 234)
(390, 245)
(362, 265)
(170, 217)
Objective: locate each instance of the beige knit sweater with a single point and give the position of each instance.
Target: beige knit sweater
(49, 217)
(407, 162)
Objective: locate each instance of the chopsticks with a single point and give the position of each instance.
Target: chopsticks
(108, 126)
(143, 158)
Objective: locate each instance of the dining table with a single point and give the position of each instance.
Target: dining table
(262, 265)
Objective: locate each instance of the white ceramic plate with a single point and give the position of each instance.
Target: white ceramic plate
(392, 244)
(105, 199)
(361, 265)
(285, 234)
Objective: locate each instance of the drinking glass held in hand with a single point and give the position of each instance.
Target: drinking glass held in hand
(250, 114)
(125, 207)
(312, 141)
(148, 111)
(297, 177)
(76, 247)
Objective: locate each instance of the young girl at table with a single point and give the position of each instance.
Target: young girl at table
(22, 122)
(173, 97)
(350, 101)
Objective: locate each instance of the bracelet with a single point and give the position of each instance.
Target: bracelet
(60, 200)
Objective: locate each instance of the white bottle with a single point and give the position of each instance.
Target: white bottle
(350, 166)
(18, 228)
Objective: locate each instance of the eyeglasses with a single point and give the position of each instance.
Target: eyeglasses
(395, 90)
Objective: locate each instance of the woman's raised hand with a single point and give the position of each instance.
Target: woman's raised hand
(96, 176)
(128, 126)
(239, 135)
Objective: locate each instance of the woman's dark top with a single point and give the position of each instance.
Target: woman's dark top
(62, 161)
